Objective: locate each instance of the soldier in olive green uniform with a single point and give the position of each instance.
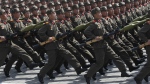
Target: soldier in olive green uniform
(79, 36)
(37, 19)
(115, 45)
(127, 19)
(64, 29)
(101, 48)
(54, 49)
(82, 12)
(144, 34)
(16, 26)
(120, 37)
(88, 14)
(43, 16)
(7, 46)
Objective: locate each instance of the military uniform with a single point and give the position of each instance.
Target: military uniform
(16, 26)
(144, 34)
(8, 46)
(55, 49)
(88, 14)
(110, 26)
(79, 36)
(43, 16)
(101, 48)
(63, 28)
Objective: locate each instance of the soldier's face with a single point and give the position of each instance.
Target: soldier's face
(111, 11)
(136, 4)
(65, 5)
(76, 11)
(17, 15)
(122, 8)
(104, 3)
(98, 15)
(94, 5)
(82, 9)
(76, 2)
(52, 16)
(3, 16)
(27, 14)
(35, 12)
(38, 4)
(108, 1)
(61, 16)
(68, 14)
(70, 4)
(117, 10)
(105, 13)
(43, 11)
(58, 7)
(88, 8)
(128, 5)
(99, 4)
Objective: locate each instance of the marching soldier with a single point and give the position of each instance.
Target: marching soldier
(63, 28)
(144, 34)
(115, 45)
(16, 26)
(101, 48)
(88, 14)
(82, 12)
(79, 36)
(55, 49)
(121, 38)
(7, 46)
(43, 16)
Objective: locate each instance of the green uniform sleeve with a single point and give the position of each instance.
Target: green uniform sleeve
(42, 32)
(88, 31)
(142, 32)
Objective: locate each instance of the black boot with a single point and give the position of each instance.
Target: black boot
(87, 79)
(6, 73)
(58, 71)
(51, 76)
(101, 71)
(138, 61)
(86, 66)
(18, 69)
(133, 68)
(137, 81)
(146, 78)
(32, 65)
(110, 62)
(41, 64)
(80, 70)
(94, 76)
(125, 74)
(66, 65)
(40, 78)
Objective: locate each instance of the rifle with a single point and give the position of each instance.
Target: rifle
(126, 28)
(26, 29)
(64, 35)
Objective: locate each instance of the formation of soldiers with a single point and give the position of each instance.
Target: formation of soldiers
(63, 16)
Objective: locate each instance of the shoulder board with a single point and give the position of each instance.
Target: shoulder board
(46, 22)
(1, 26)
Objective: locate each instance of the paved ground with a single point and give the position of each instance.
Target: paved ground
(68, 77)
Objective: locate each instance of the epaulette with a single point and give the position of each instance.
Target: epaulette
(46, 22)
(1, 25)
